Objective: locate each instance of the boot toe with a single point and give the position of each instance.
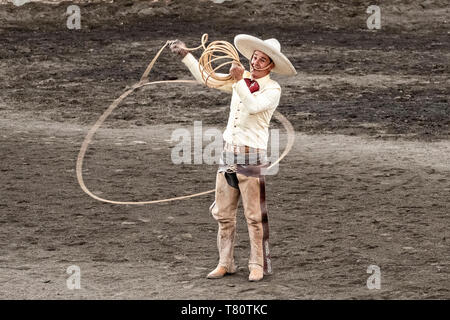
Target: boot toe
(256, 275)
(217, 273)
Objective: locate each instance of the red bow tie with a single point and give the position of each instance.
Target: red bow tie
(252, 84)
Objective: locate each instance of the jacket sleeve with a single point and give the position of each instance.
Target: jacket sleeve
(193, 66)
(266, 100)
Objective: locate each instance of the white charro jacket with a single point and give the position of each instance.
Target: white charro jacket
(250, 113)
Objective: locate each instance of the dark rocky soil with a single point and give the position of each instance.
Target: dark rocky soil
(367, 181)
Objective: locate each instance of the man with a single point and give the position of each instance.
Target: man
(255, 96)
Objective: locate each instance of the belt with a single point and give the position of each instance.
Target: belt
(242, 149)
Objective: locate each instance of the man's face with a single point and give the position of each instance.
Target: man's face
(260, 61)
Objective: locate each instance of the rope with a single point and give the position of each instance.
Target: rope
(216, 51)
(205, 61)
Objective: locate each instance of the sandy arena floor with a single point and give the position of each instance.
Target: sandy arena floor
(367, 182)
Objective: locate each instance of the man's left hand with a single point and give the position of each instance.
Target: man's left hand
(236, 71)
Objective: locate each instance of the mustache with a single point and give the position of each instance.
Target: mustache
(253, 68)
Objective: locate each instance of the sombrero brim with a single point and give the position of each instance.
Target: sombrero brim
(247, 44)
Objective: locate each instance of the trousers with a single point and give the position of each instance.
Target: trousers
(251, 188)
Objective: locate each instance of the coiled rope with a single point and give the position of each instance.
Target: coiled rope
(215, 51)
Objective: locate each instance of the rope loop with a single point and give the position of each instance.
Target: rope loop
(215, 51)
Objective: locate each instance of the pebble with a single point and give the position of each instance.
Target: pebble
(139, 142)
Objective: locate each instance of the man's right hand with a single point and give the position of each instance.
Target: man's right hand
(178, 47)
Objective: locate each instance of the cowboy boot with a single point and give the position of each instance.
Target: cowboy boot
(256, 273)
(224, 212)
(220, 271)
(255, 210)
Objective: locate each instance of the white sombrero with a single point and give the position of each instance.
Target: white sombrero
(247, 44)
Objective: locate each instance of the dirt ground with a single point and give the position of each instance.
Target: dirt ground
(367, 182)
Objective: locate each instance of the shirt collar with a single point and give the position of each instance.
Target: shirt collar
(261, 81)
